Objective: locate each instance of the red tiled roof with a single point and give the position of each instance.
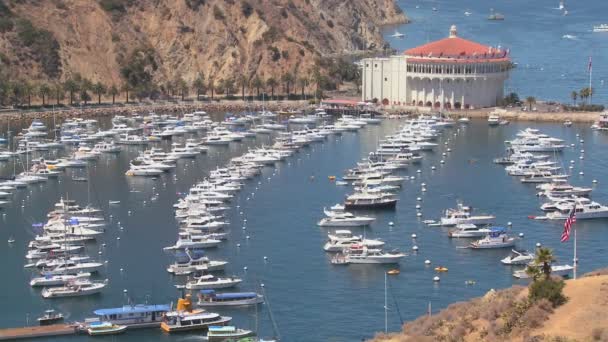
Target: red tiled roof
(455, 47)
(458, 60)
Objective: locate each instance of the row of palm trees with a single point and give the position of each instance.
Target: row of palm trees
(80, 89)
(583, 94)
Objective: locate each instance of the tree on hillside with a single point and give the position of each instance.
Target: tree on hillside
(85, 87)
(257, 83)
(99, 89)
(287, 79)
(316, 78)
(243, 81)
(544, 257)
(28, 90)
(573, 96)
(272, 82)
(303, 82)
(58, 92)
(211, 86)
(126, 88)
(199, 85)
(113, 91)
(71, 87)
(530, 101)
(44, 90)
(182, 85)
(226, 86)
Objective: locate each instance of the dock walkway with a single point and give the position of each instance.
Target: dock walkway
(38, 331)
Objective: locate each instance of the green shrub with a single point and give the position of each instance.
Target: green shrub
(116, 6)
(6, 24)
(194, 4)
(548, 289)
(44, 46)
(246, 8)
(218, 13)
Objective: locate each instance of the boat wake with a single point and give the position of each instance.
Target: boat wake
(569, 36)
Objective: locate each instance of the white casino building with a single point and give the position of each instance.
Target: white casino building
(451, 73)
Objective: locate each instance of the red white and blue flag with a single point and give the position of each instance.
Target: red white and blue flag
(568, 224)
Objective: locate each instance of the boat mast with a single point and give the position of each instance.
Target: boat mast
(385, 307)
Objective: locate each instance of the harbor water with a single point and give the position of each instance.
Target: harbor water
(551, 49)
(274, 239)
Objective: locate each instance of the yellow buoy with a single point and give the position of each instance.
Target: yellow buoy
(332, 178)
(441, 269)
(393, 272)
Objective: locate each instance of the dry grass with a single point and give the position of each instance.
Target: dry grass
(507, 315)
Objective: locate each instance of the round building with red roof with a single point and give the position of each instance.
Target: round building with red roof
(451, 73)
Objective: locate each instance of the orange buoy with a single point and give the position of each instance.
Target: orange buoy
(393, 272)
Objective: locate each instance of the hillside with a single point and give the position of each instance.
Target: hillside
(503, 316)
(110, 40)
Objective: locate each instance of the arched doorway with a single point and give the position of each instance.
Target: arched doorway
(420, 103)
(457, 105)
(429, 104)
(437, 104)
(448, 105)
(467, 106)
(385, 102)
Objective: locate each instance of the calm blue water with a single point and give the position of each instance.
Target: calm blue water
(311, 299)
(550, 66)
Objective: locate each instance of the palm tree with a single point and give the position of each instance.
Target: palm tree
(211, 87)
(183, 87)
(243, 82)
(228, 86)
(530, 100)
(303, 81)
(544, 257)
(28, 89)
(199, 85)
(316, 78)
(113, 91)
(71, 86)
(99, 89)
(44, 90)
(287, 79)
(59, 92)
(271, 82)
(85, 86)
(257, 83)
(573, 96)
(126, 88)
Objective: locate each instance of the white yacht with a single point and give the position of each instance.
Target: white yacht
(493, 120)
(518, 258)
(344, 219)
(557, 270)
(600, 28)
(210, 298)
(186, 240)
(139, 168)
(343, 239)
(591, 210)
(468, 230)
(497, 238)
(397, 34)
(74, 289)
(196, 264)
(462, 215)
(557, 190)
(58, 279)
(362, 255)
(209, 281)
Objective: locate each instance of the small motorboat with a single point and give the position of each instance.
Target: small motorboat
(50, 316)
(441, 269)
(393, 272)
(227, 333)
(567, 123)
(105, 328)
(518, 258)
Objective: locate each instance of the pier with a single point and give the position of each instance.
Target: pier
(38, 331)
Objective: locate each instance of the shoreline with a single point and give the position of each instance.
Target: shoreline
(239, 105)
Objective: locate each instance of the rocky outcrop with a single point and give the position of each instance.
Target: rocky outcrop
(219, 38)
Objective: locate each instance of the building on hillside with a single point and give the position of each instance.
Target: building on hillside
(451, 73)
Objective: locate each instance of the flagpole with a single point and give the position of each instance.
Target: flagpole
(575, 259)
(590, 89)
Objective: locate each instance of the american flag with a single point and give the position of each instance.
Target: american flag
(568, 224)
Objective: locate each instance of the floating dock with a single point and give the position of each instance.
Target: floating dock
(38, 331)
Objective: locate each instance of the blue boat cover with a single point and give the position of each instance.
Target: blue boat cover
(132, 309)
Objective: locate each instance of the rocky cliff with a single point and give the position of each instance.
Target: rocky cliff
(54, 39)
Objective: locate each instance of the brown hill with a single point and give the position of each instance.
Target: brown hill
(506, 316)
(54, 39)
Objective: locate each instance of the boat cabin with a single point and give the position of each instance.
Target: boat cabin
(134, 314)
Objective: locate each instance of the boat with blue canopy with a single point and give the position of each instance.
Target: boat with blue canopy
(212, 298)
(496, 238)
(134, 316)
